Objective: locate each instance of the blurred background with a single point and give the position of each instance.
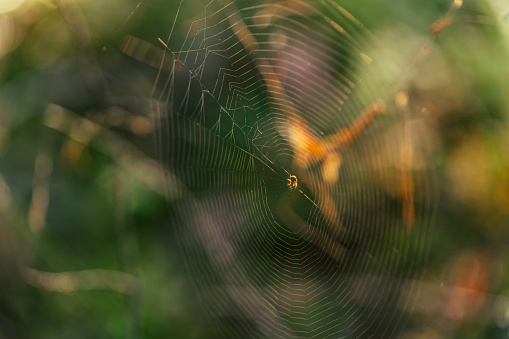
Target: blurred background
(91, 200)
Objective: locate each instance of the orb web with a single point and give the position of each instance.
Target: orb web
(241, 90)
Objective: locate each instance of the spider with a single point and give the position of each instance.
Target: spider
(292, 181)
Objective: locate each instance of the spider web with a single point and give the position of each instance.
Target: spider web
(268, 260)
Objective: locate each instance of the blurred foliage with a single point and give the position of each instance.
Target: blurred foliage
(80, 189)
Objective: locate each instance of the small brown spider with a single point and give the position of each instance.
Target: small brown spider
(292, 181)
